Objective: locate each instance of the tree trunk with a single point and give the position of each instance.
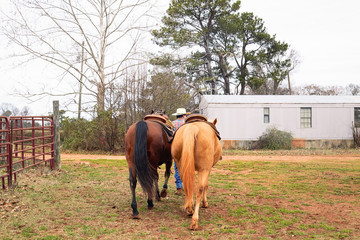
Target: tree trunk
(242, 79)
(208, 66)
(242, 90)
(100, 98)
(101, 84)
(224, 73)
(276, 85)
(288, 75)
(81, 80)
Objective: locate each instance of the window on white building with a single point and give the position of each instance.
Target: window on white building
(305, 117)
(357, 117)
(266, 115)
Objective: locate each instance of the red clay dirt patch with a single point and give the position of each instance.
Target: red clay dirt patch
(65, 156)
(291, 158)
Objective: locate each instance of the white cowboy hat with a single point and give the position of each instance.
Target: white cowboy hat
(179, 111)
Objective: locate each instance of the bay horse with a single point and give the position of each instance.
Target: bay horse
(196, 147)
(146, 148)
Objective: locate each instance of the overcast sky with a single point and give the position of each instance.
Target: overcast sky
(325, 34)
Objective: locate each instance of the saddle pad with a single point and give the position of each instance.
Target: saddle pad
(156, 118)
(195, 118)
(167, 130)
(201, 118)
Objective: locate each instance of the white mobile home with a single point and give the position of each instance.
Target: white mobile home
(314, 121)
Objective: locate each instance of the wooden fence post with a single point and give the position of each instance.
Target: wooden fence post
(57, 160)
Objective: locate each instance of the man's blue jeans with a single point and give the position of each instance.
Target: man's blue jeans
(178, 181)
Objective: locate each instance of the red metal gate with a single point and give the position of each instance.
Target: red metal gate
(24, 143)
(5, 151)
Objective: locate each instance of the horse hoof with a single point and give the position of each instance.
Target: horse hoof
(189, 212)
(150, 204)
(163, 193)
(205, 205)
(136, 217)
(193, 225)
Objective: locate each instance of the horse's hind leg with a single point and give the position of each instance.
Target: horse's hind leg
(132, 179)
(204, 198)
(156, 174)
(150, 200)
(150, 203)
(201, 189)
(188, 202)
(167, 176)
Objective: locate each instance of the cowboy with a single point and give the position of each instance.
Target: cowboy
(180, 120)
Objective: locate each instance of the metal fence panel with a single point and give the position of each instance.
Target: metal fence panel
(26, 142)
(5, 152)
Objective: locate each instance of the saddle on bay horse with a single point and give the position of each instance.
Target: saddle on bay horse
(164, 122)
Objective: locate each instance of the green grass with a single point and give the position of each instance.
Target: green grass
(121, 164)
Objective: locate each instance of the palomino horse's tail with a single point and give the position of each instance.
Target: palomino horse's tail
(188, 161)
(142, 167)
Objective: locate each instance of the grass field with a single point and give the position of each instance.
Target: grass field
(315, 198)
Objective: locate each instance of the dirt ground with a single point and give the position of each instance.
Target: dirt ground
(292, 158)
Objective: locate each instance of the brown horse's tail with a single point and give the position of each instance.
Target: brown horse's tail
(188, 161)
(142, 167)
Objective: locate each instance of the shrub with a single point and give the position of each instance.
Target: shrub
(356, 135)
(79, 134)
(275, 139)
(104, 133)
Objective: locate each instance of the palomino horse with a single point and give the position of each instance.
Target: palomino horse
(146, 148)
(196, 147)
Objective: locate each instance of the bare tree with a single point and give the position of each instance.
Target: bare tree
(8, 109)
(353, 89)
(123, 100)
(25, 111)
(314, 89)
(295, 61)
(107, 31)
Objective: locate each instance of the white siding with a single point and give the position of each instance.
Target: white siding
(331, 117)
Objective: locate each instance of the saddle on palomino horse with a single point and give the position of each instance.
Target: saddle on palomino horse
(201, 118)
(164, 122)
